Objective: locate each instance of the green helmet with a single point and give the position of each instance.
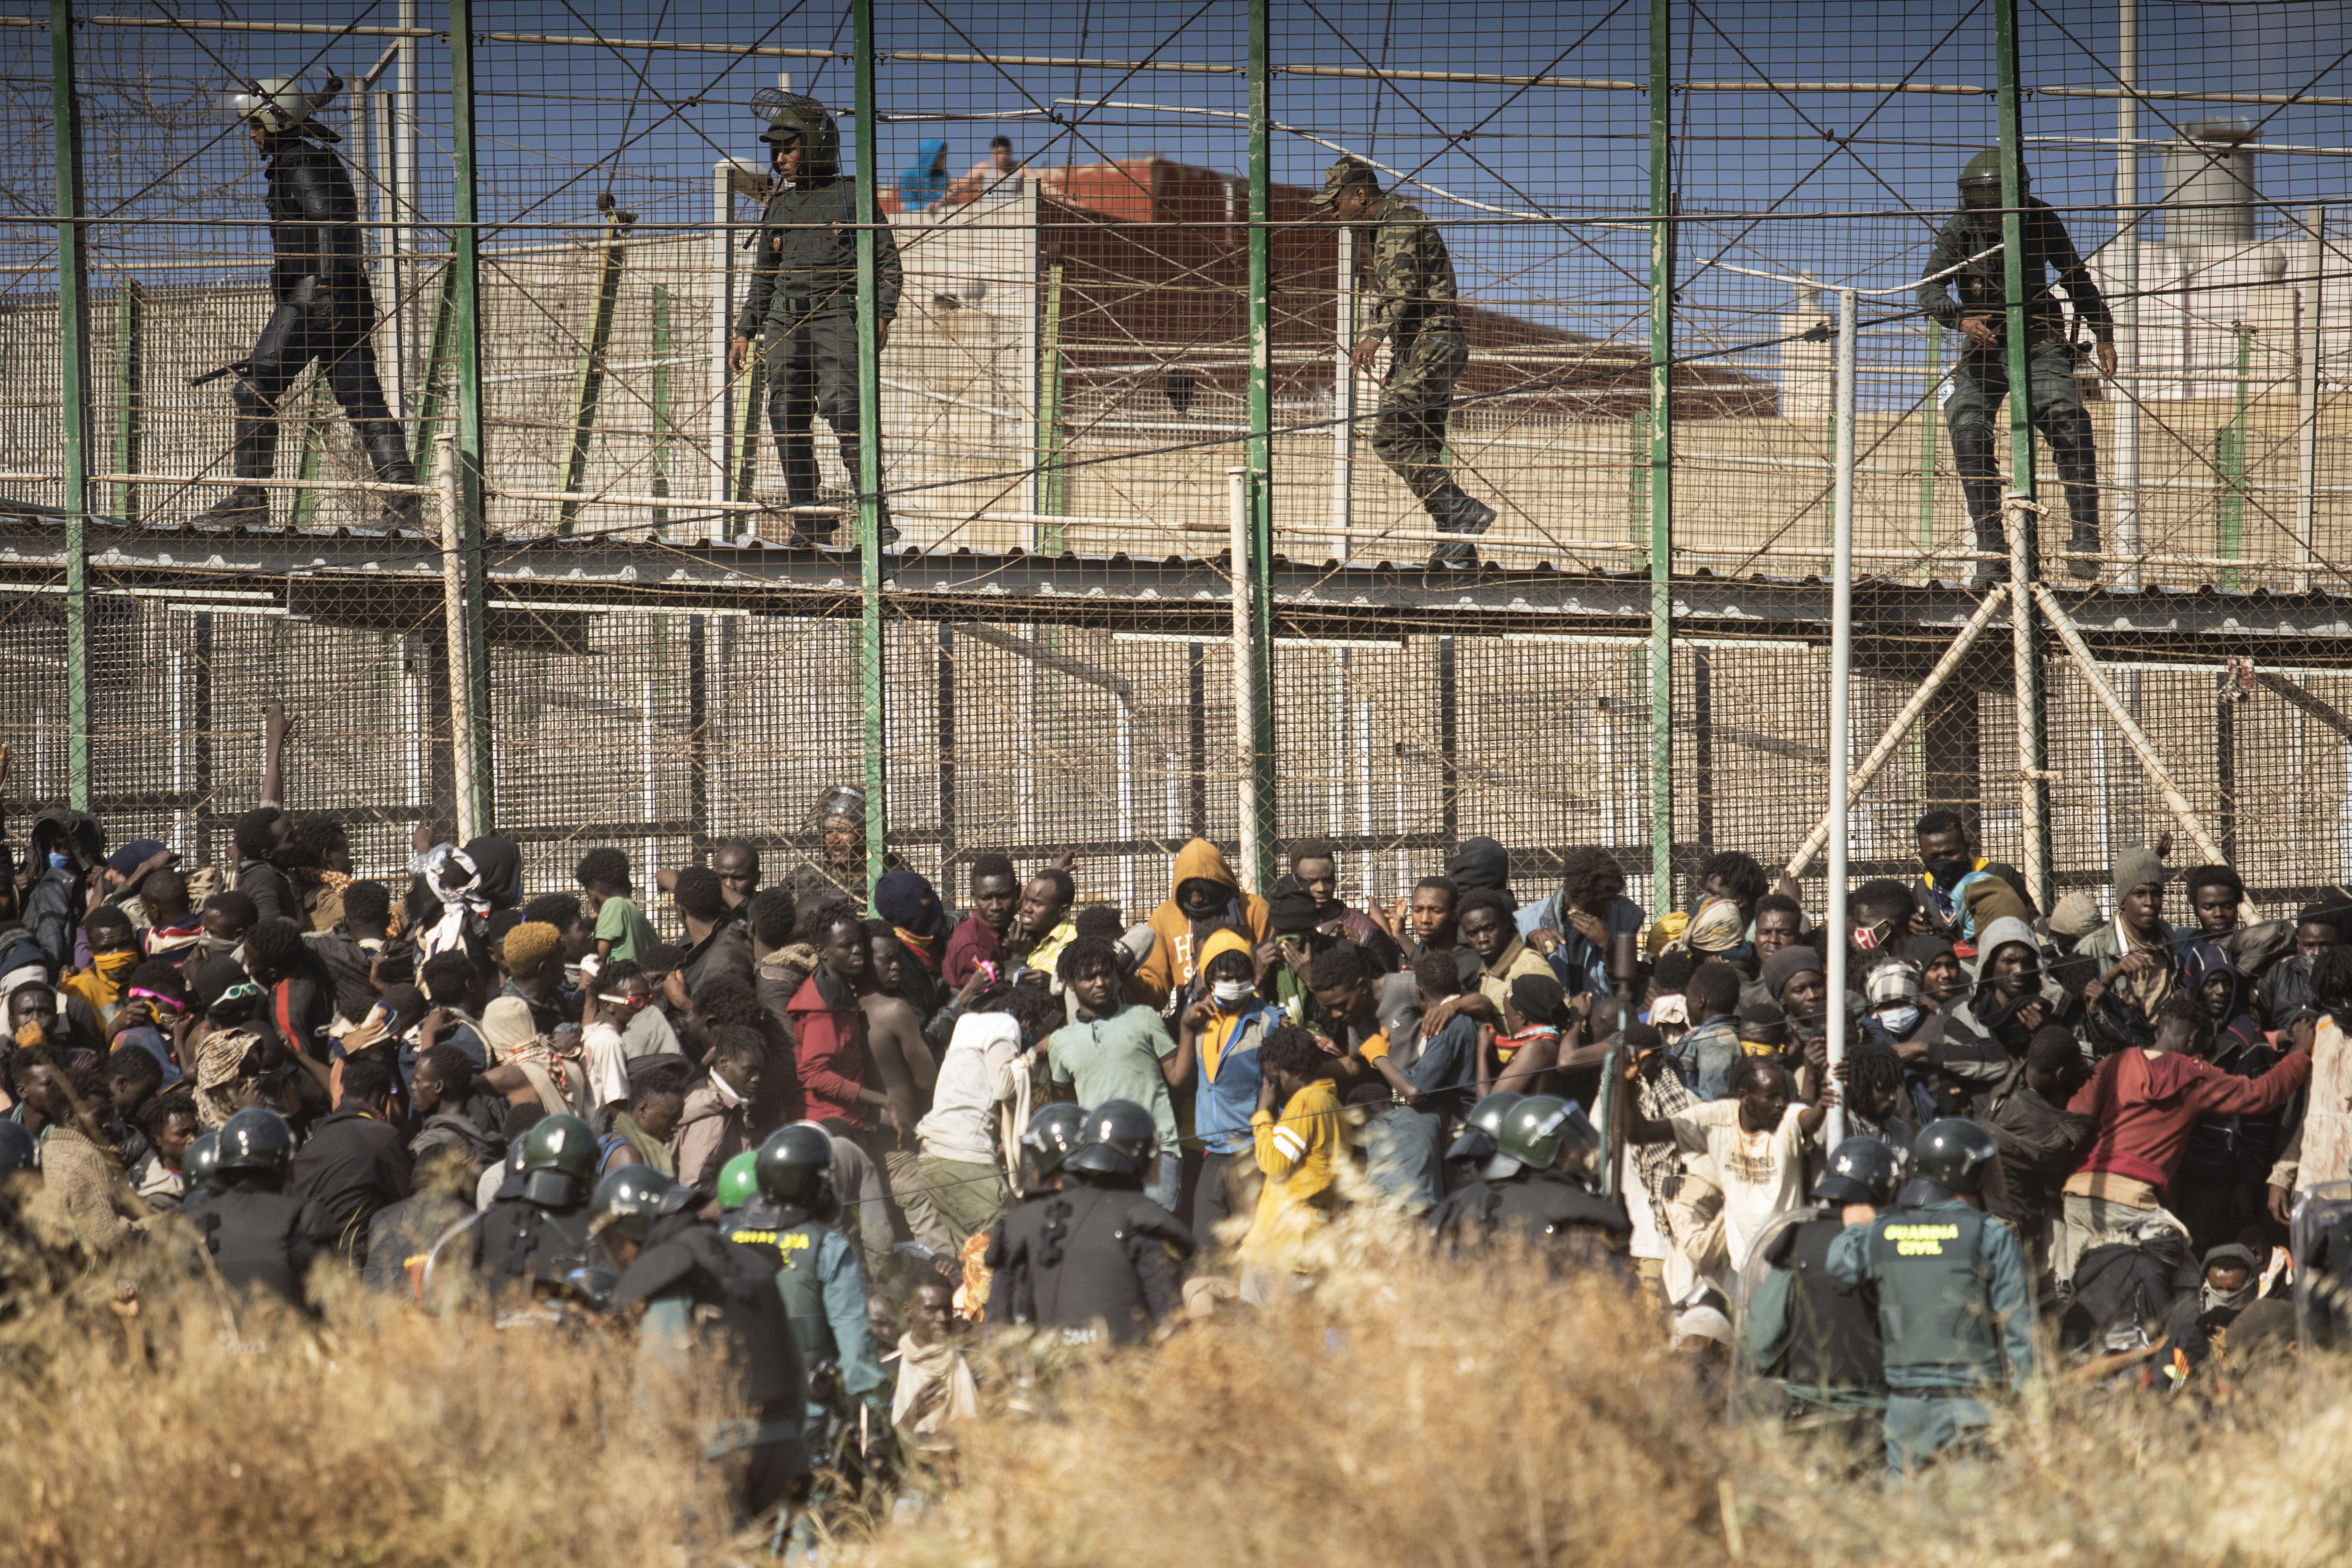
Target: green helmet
(738, 1180)
(790, 117)
(1949, 1156)
(1861, 1170)
(276, 103)
(1118, 1139)
(255, 1138)
(632, 1198)
(1053, 1136)
(794, 1167)
(1980, 181)
(558, 1161)
(1479, 1137)
(201, 1164)
(1536, 1129)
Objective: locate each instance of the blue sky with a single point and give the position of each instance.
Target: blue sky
(1820, 180)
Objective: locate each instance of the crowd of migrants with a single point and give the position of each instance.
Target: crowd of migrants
(841, 1144)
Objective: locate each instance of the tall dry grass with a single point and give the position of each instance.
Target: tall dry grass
(1407, 1411)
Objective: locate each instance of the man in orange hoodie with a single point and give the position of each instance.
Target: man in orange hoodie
(1207, 898)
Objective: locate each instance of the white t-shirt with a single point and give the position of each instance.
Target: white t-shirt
(1762, 1173)
(976, 1075)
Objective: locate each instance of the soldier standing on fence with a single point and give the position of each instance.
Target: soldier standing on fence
(324, 310)
(1981, 380)
(1413, 303)
(804, 297)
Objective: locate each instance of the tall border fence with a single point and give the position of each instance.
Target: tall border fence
(1124, 559)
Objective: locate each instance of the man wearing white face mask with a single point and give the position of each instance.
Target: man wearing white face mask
(1223, 1032)
(1891, 990)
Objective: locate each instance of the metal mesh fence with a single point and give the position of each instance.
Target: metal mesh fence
(1647, 287)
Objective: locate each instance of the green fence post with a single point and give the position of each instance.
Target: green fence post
(1662, 455)
(869, 459)
(2232, 444)
(661, 404)
(1260, 459)
(588, 383)
(2032, 729)
(129, 390)
(433, 395)
(73, 390)
(314, 452)
(466, 335)
(1052, 492)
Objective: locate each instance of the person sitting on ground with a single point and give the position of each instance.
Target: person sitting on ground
(113, 955)
(161, 1180)
(452, 1114)
(643, 1128)
(935, 1391)
(353, 1163)
(716, 1124)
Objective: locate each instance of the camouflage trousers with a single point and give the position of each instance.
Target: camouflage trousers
(1409, 430)
(2053, 400)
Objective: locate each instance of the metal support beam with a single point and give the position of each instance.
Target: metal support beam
(2125, 482)
(1841, 687)
(869, 477)
(2309, 298)
(2032, 733)
(1662, 450)
(697, 734)
(73, 395)
(468, 455)
(1929, 410)
(1256, 718)
(945, 704)
(313, 449)
(1196, 734)
(588, 383)
(1344, 389)
(1449, 745)
(130, 391)
(2230, 505)
(433, 384)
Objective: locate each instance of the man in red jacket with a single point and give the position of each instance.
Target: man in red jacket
(829, 1028)
(2146, 1101)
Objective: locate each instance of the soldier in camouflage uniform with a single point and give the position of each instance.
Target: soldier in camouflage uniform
(1412, 302)
(804, 297)
(1981, 380)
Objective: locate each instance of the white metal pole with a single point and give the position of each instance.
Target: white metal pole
(384, 175)
(2310, 300)
(1336, 809)
(649, 800)
(722, 310)
(1841, 718)
(2125, 393)
(1343, 399)
(1123, 712)
(452, 615)
(1238, 517)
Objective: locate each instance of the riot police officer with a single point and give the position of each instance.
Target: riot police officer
(1051, 1136)
(1097, 1261)
(532, 1238)
(1478, 1144)
(200, 1165)
(1955, 1298)
(703, 1294)
(803, 297)
(252, 1227)
(324, 310)
(1982, 379)
(1532, 1185)
(1820, 1338)
(792, 1225)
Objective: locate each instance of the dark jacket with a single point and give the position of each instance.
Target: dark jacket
(1981, 282)
(352, 1165)
(314, 233)
(804, 258)
(273, 895)
(2039, 1143)
(726, 950)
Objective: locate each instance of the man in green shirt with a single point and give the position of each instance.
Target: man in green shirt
(1116, 1049)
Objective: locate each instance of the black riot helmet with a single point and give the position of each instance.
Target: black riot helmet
(1949, 1156)
(201, 1164)
(1482, 1129)
(632, 1199)
(1980, 181)
(255, 1141)
(1861, 1170)
(795, 1168)
(1117, 1140)
(1054, 1135)
(795, 117)
(17, 1147)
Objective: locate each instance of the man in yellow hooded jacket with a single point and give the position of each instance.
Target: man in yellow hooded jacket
(1207, 898)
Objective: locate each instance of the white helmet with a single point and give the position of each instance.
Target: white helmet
(277, 102)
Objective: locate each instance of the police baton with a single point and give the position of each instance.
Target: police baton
(238, 368)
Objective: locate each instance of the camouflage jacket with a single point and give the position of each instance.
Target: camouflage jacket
(804, 258)
(1411, 290)
(1982, 283)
